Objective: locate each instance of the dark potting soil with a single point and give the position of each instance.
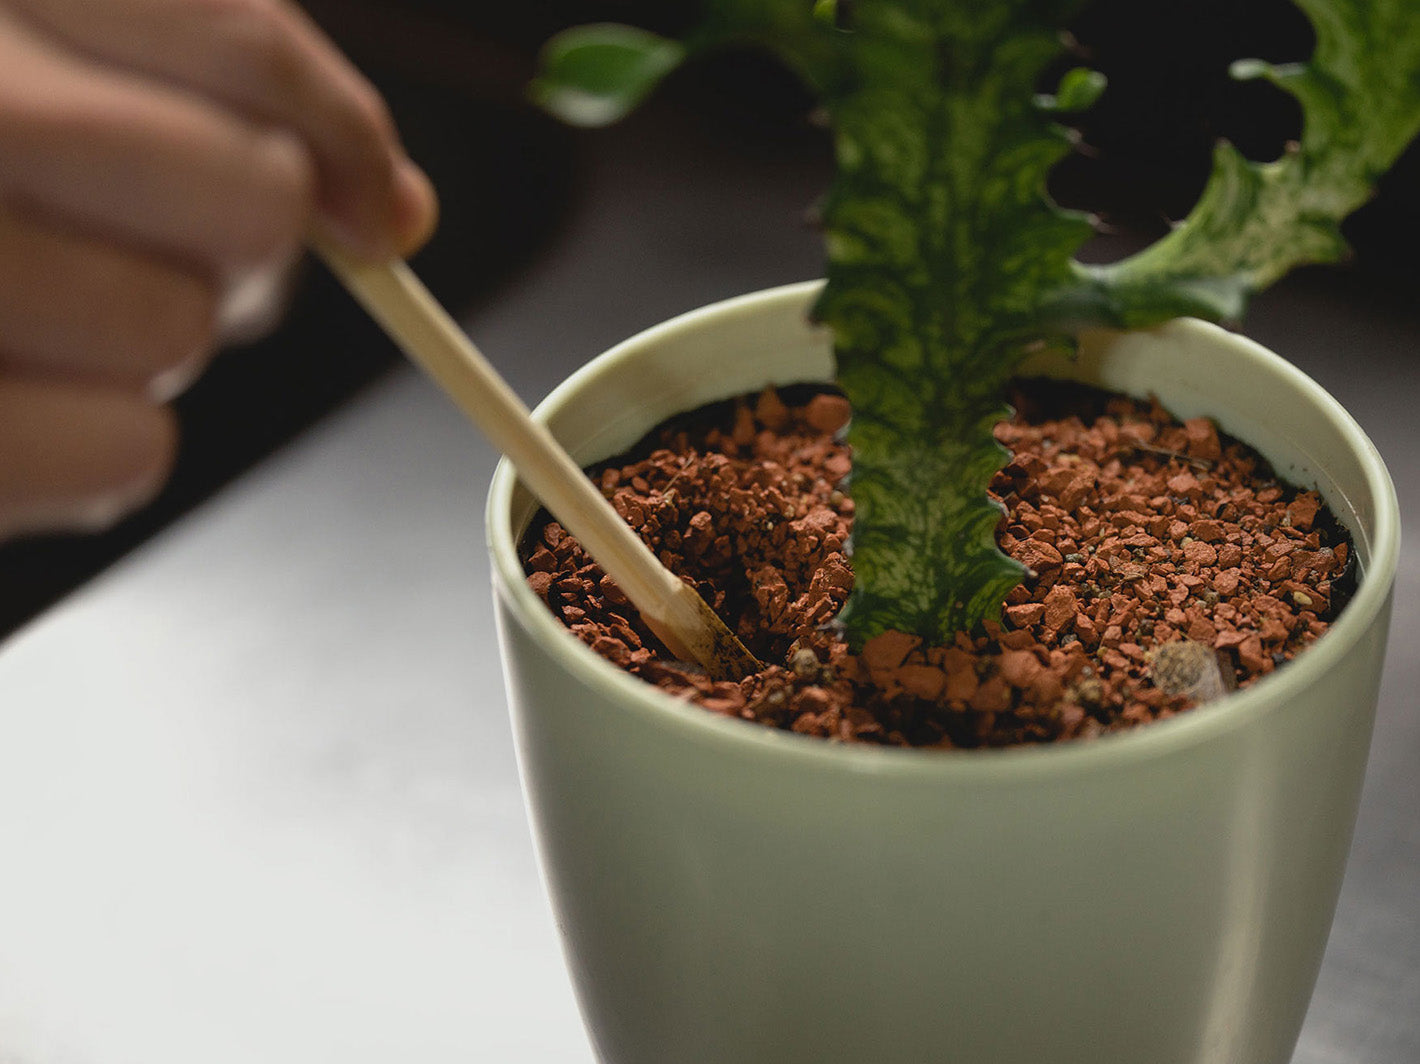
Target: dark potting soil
(1167, 564)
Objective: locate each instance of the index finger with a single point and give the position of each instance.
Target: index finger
(266, 59)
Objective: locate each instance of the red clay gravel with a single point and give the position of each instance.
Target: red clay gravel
(1139, 531)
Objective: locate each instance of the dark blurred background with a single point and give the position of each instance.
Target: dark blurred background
(511, 179)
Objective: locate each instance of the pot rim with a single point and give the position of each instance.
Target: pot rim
(1270, 694)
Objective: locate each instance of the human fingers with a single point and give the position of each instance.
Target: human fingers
(76, 458)
(145, 165)
(267, 60)
(80, 309)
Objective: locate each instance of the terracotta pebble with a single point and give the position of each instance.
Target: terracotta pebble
(827, 413)
(1138, 531)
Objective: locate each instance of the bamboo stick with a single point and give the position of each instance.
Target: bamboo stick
(425, 332)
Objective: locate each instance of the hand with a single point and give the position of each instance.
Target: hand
(154, 154)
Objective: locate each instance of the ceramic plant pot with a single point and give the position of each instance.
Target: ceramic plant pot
(733, 895)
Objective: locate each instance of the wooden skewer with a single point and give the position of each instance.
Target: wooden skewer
(425, 332)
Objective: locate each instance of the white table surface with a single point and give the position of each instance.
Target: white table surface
(258, 799)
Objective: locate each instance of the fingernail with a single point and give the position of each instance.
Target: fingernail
(370, 247)
(84, 515)
(101, 514)
(171, 383)
(253, 303)
(416, 206)
(409, 218)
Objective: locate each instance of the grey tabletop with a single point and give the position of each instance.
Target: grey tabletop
(258, 797)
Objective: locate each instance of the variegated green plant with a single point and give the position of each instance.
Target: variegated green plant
(947, 262)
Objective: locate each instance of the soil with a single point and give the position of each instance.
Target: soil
(1167, 564)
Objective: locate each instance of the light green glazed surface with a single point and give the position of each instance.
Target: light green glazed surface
(732, 895)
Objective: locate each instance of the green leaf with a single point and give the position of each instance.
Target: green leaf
(1360, 98)
(594, 75)
(1079, 90)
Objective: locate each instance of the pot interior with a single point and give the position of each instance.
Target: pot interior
(1193, 367)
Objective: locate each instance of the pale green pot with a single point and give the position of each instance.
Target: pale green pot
(732, 895)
